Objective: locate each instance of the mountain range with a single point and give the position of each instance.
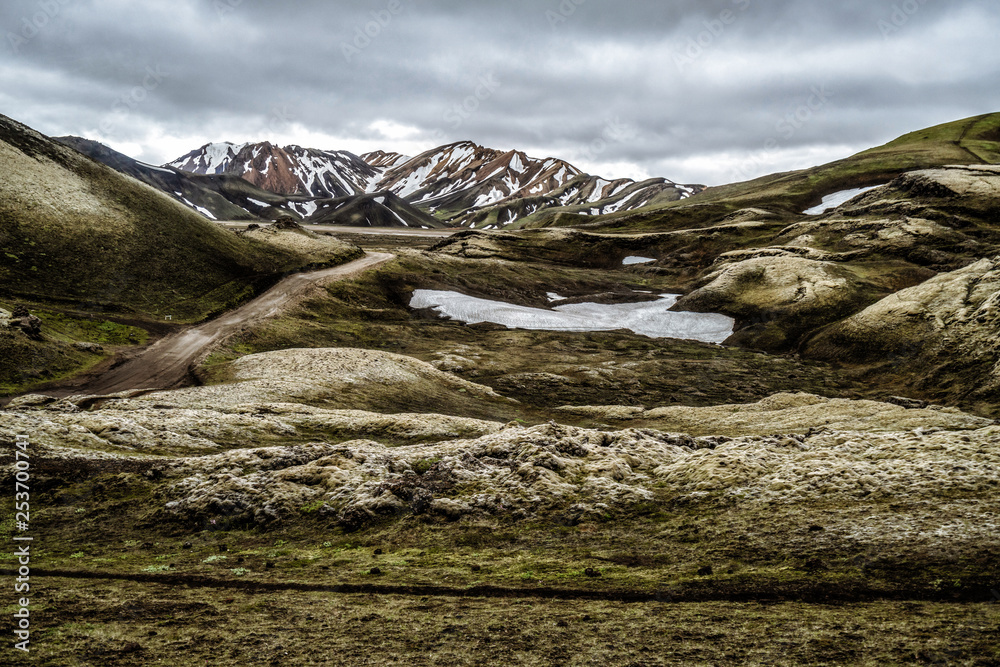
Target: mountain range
(457, 185)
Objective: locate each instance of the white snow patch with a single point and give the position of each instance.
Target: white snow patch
(398, 217)
(306, 208)
(837, 199)
(486, 200)
(630, 261)
(205, 212)
(166, 171)
(650, 318)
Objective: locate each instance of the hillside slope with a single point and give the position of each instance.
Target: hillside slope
(219, 197)
(78, 232)
(969, 141)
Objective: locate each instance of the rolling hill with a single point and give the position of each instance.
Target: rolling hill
(969, 141)
(77, 232)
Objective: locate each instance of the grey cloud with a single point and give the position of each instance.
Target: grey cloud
(566, 67)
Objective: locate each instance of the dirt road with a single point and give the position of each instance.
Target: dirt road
(166, 363)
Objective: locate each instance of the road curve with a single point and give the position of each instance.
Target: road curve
(166, 363)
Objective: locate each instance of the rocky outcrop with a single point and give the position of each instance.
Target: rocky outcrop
(289, 235)
(514, 473)
(923, 242)
(777, 298)
(341, 378)
(26, 322)
(154, 424)
(944, 330)
(271, 447)
(822, 269)
(967, 182)
(789, 413)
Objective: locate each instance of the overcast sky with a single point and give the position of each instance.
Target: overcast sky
(695, 91)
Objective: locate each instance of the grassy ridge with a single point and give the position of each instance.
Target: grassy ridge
(75, 231)
(970, 141)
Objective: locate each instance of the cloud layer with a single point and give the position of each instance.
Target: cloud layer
(691, 90)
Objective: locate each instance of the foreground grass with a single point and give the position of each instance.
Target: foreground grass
(105, 623)
(26, 363)
(668, 583)
(682, 549)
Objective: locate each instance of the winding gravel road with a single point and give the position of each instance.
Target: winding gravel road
(166, 363)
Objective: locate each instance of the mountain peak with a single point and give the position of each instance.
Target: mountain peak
(462, 182)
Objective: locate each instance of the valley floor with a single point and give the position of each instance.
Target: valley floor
(357, 483)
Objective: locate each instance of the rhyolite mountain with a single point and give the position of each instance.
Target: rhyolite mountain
(461, 184)
(218, 195)
(291, 170)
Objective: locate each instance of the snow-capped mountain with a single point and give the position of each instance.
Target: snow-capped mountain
(291, 170)
(583, 195)
(464, 176)
(461, 184)
(209, 159)
(469, 185)
(223, 196)
(383, 160)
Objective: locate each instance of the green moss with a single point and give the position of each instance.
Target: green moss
(423, 465)
(90, 330)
